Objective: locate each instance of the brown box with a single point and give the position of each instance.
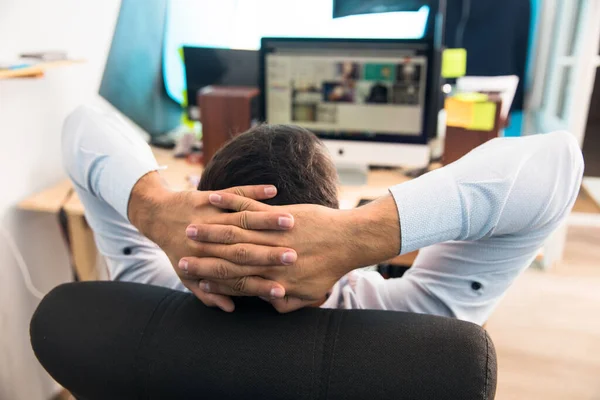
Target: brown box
(460, 141)
(224, 113)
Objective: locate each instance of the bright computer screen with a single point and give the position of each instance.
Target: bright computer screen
(345, 92)
(240, 24)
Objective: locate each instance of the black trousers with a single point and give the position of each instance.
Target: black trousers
(114, 340)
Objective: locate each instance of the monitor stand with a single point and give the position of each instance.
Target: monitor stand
(352, 157)
(352, 174)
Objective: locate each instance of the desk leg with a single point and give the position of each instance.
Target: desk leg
(83, 248)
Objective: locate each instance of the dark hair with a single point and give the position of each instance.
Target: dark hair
(287, 156)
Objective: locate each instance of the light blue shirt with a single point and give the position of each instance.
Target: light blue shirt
(479, 222)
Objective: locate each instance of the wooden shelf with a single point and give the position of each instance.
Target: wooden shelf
(50, 200)
(37, 70)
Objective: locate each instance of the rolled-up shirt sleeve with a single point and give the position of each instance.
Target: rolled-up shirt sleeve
(104, 156)
(506, 186)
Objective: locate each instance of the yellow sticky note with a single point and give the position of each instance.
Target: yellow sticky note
(184, 95)
(454, 63)
(185, 121)
(458, 113)
(484, 117)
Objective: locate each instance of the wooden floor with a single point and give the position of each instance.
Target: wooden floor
(547, 328)
(585, 203)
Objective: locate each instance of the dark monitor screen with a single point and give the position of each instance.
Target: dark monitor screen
(206, 66)
(344, 8)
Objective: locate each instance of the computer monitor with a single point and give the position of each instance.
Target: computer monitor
(206, 66)
(374, 102)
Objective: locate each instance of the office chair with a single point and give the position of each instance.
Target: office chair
(116, 340)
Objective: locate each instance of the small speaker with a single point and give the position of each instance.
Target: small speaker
(224, 113)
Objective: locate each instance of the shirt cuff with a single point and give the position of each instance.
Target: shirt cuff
(429, 209)
(120, 174)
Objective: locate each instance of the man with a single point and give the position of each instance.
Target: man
(478, 222)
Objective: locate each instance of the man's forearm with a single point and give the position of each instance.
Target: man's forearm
(144, 202)
(374, 233)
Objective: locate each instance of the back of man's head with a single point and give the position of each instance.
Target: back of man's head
(287, 156)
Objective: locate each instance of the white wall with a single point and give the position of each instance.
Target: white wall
(31, 115)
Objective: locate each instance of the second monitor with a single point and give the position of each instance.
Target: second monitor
(206, 66)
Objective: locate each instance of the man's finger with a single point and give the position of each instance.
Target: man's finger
(222, 268)
(237, 255)
(215, 269)
(212, 299)
(229, 234)
(289, 304)
(244, 286)
(256, 192)
(229, 201)
(254, 220)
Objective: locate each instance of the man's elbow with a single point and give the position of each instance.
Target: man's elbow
(567, 171)
(570, 153)
(70, 138)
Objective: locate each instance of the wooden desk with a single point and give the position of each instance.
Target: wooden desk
(180, 175)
